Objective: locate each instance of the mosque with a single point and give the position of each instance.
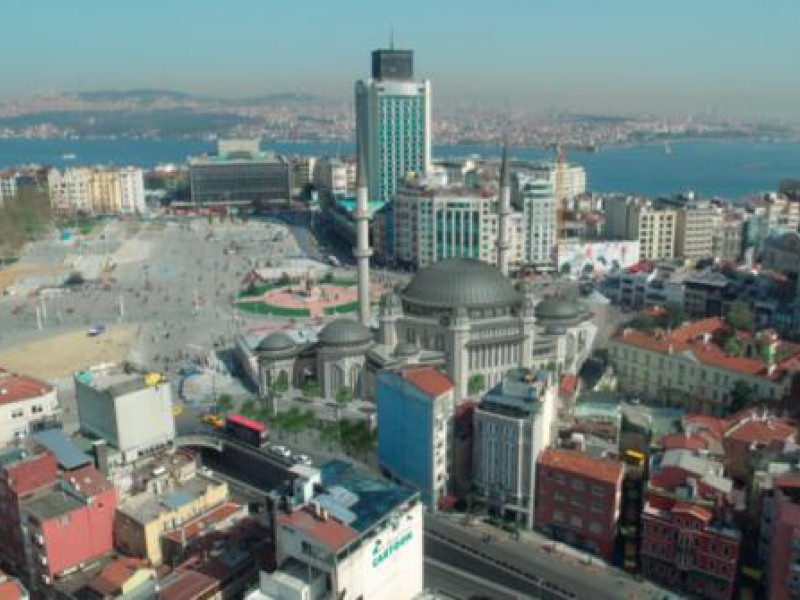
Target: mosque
(462, 315)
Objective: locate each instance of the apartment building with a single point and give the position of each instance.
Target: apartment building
(688, 543)
(535, 199)
(633, 218)
(25, 403)
(97, 190)
(695, 222)
(783, 575)
(579, 499)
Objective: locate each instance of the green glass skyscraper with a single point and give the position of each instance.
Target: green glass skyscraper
(393, 123)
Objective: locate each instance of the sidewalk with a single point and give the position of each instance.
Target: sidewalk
(631, 587)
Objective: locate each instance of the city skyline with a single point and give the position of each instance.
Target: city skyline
(618, 58)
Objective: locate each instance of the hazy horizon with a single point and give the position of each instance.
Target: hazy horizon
(732, 58)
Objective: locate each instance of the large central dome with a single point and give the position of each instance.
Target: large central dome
(461, 282)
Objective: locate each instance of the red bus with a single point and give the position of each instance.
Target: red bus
(247, 430)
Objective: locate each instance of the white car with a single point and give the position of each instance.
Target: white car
(282, 451)
(302, 459)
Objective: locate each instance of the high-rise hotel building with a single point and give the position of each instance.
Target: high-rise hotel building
(393, 122)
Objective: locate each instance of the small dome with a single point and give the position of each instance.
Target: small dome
(558, 309)
(277, 341)
(461, 283)
(406, 349)
(344, 331)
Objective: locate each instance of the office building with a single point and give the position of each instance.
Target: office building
(433, 222)
(687, 367)
(131, 412)
(579, 499)
(393, 123)
(513, 423)
(25, 403)
(240, 174)
(70, 526)
(689, 543)
(343, 532)
(415, 429)
(629, 218)
(535, 198)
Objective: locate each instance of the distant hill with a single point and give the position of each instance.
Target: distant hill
(136, 95)
(280, 98)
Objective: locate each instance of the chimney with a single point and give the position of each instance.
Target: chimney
(100, 452)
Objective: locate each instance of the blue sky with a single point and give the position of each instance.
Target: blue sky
(737, 57)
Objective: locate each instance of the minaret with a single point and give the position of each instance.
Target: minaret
(503, 213)
(362, 251)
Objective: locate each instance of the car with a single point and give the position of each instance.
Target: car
(303, 459)
(215, 421)
(281, 451)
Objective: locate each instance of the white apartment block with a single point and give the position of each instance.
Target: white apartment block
(695, 224)
(335, 177)
(534, 197)
(631, 218)
(24, 401)
(567, 180)
(97, 190)
(8, 186)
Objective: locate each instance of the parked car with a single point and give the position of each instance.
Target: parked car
(303, 459)
(281, 451)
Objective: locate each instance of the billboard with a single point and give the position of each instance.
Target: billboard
(597, 258)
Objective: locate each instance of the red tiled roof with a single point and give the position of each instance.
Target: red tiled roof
(16, 388)
(189, 586)
(198, 525)
(110, 580)
(675, 441)
(763, 431)
(695, 510)
(689, 337)
(89, 480)
(607, 470)
(429, 380)
(788, 480)
(329, 531)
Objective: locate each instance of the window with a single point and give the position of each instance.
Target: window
(597, 507)
(595, 527)
(576, 521)
(558, 516)
(16, 413)
(598, 490)
(578, 484)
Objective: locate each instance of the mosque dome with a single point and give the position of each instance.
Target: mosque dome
(557, 309)
(277, 341)
(461, 283)
(344, 332)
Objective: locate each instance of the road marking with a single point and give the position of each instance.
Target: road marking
(472, 577)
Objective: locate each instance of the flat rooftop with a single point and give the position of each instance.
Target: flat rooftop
(53, 504)
(113, 381)
(146, 507)
(367, 497)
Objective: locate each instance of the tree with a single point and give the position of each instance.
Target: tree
(675, 315)
(643, 323)
(732, 346)
(281, 383)
(739, 315)
(331, 433)
(344, 395)
(225, 403)
(311, 389)
(476, 384)
(742, 395)
(249, 408)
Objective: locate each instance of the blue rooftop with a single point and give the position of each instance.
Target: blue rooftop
(366, 497)
(68, 455)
